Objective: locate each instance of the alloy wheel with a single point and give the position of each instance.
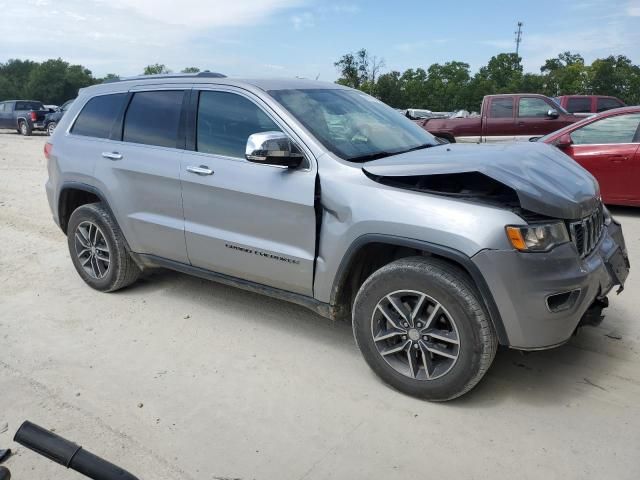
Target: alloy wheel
(92, 249)
(415, 335)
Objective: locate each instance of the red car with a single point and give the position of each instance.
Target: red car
(608, 146)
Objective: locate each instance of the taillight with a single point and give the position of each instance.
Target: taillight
(48, 147)
(34, 116)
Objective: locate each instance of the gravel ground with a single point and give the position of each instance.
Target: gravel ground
(179, 378)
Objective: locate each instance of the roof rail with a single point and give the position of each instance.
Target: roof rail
(205, 74)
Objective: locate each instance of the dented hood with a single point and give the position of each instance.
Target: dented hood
(547, 181)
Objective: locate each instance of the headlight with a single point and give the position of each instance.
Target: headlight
(537, 238)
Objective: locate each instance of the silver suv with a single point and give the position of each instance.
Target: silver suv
(321, 195)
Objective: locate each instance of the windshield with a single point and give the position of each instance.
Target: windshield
(353, 125)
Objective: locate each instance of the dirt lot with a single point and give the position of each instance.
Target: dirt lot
(179, 378)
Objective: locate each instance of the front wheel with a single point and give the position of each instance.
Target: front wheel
(422, 328)
(51, 127)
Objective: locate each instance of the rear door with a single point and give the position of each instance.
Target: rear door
(247, 220)
(498, 122)
(6, 115)
(141, 171)
(608, 148)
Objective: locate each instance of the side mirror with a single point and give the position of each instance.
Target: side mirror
(552, 113)
(272, 148)
(564, 141)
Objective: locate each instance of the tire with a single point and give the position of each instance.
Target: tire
(460, 317)
(103, 241)
(24, 128)
(51, 127)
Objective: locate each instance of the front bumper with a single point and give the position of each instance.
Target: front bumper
(521, 284)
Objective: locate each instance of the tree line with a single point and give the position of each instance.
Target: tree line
(55, 81)
(439, 87)
(451, 86)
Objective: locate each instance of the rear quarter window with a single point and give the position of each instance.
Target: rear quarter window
(153, 118)
(579, 105)
(608, 103)
(99, 115)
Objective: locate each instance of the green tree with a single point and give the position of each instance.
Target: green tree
(110, 77)
(13, 78)
(190, 70)
(504, 71)
(390, 89)
(447, 85)
(415, 88)
(359, 70)
(617, 76)
(565, 74)
(55, 81)
(155, 69)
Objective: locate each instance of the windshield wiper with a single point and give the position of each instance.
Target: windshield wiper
(379, 155)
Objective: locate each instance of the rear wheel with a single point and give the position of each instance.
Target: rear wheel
(422, 328)
(51, 127)
(25, 128)
(98, 249)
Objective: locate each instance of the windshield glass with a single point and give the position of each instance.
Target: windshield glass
(353, 125)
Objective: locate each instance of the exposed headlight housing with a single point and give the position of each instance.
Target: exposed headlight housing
(537, 237)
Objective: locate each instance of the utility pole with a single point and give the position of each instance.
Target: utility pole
(518, 37)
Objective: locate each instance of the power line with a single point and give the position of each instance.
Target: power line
(518, 37)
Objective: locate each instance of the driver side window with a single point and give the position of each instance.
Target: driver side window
(225, 121)
(618, 129)
(533, 107)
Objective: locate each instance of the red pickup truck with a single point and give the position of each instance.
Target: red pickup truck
(503, 118)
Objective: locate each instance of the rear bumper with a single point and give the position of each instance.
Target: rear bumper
(523, 283)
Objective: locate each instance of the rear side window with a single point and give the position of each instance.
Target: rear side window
(579, 105)
(225, 121)
(533, 107)
(2, 107)
(29, 106)
(608, 104)
(501, 108)
(618, 129)
(99, 115)
(153, 118)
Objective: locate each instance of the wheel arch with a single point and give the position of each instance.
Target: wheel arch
(372, 251)
(74, 194)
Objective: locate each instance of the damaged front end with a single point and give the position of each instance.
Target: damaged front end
(567, 254)
(533, 177)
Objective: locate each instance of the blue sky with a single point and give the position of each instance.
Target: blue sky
(288, 38)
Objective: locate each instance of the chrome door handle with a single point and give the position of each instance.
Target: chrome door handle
(112, 155)
(201, 170)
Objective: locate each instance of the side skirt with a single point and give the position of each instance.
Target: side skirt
(316, 306)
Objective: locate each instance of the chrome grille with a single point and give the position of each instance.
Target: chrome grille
(585, 233)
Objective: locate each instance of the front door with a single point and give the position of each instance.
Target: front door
(607, 148)
(242, 219)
